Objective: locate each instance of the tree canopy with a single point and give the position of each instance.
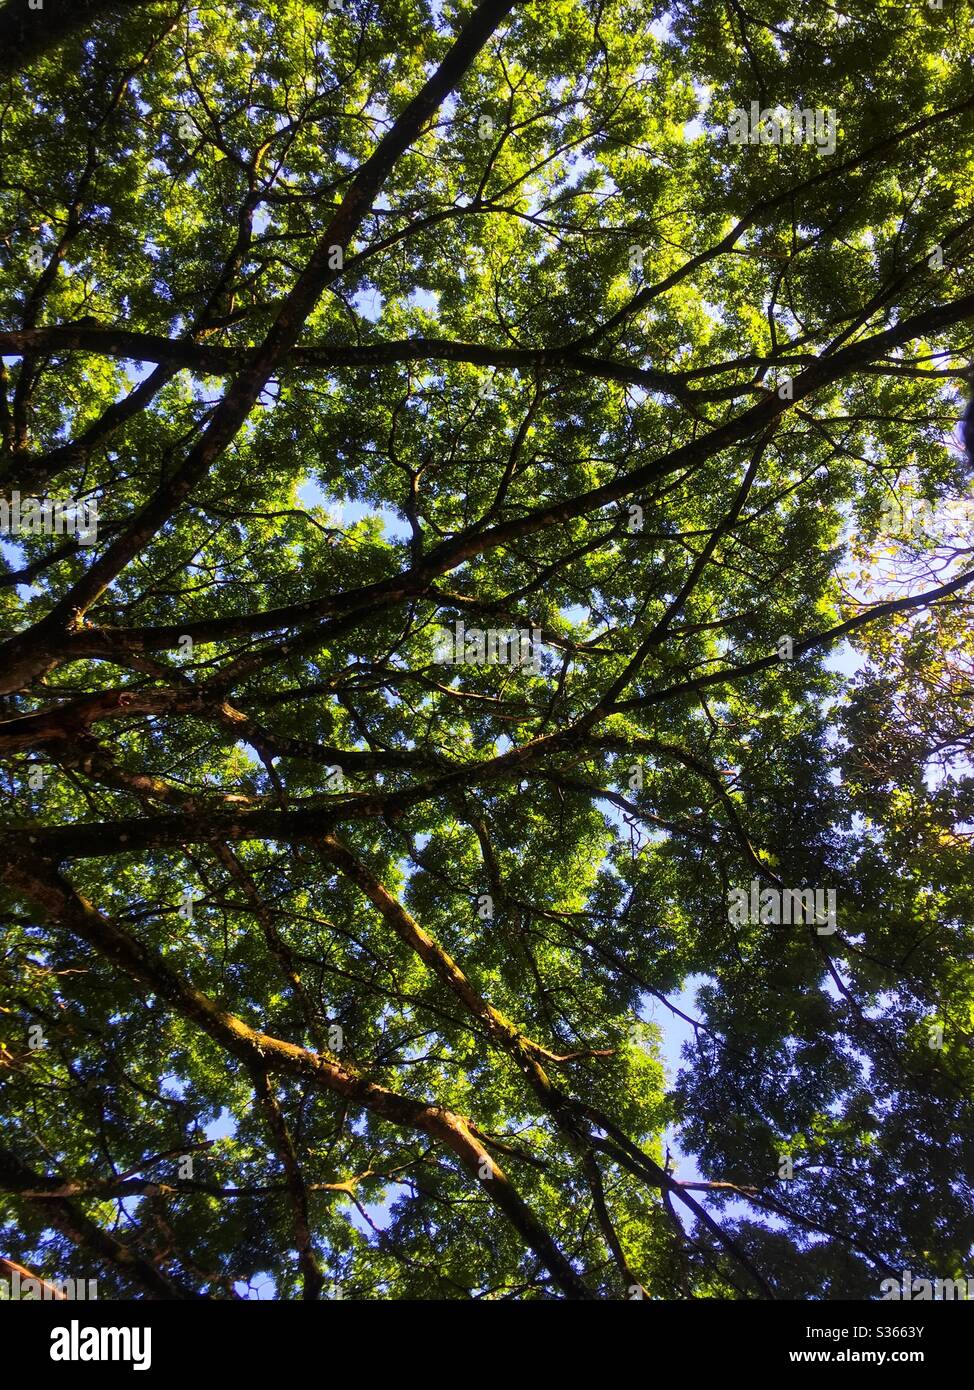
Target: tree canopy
(487, 557)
